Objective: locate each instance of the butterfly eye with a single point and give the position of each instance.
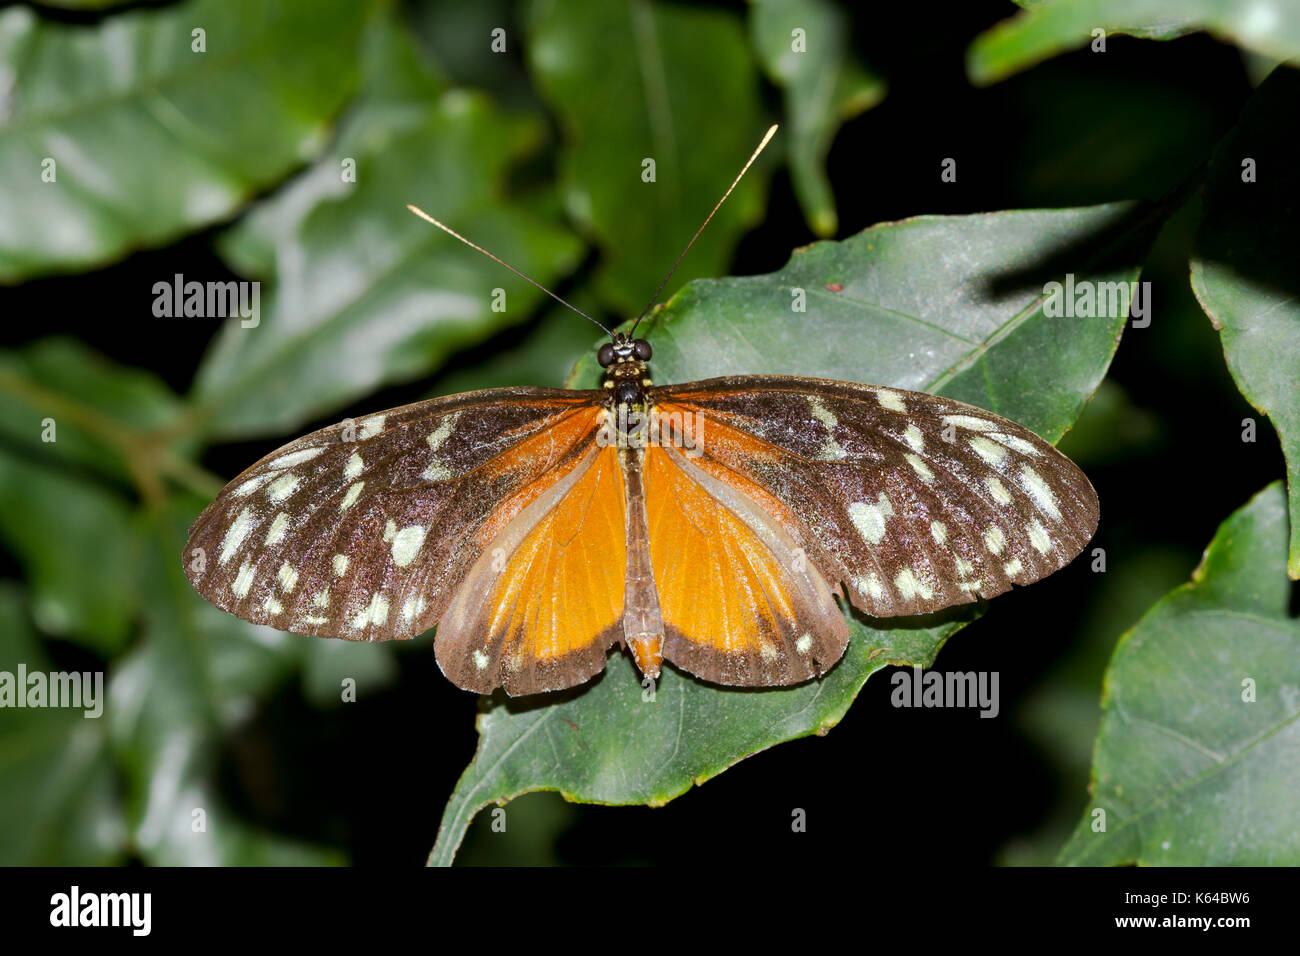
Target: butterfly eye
(606, 355)
(641, 349)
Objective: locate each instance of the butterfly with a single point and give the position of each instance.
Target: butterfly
(717, 525)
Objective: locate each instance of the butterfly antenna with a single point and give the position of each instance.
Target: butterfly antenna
(452, 232)
(744, 169)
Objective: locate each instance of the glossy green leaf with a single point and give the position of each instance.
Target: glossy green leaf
(75, 541)
(124, 135)
(61, 400)
(953, 305)
(1046, 29)
(1197, 758)
(367, 294)
(196, 674)
(949, 304)
(398, 85)
(637, 82)
(1244, 266)
(58, 791)
(803, 46)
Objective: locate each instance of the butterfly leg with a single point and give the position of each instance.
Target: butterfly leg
(643, 622)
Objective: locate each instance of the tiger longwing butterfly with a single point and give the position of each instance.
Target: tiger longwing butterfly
(710, 524)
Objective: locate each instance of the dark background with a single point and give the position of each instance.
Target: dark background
(887, 784)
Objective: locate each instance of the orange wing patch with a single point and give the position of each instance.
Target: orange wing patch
(741, 603)
(544, 603)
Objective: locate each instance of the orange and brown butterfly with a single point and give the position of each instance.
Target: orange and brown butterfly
(713, 524)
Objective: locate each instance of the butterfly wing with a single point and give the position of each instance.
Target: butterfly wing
(544, 602)
(364, 530)
(740, 603)
(912, 501)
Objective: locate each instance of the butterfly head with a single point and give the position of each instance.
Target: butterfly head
(625, 363)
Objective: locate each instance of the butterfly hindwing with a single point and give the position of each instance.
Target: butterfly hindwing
(913, 501)
(363, 530)
(544, 601)
(740, 603)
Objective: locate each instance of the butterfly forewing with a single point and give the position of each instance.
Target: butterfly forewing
(915, 502)
(363, 530)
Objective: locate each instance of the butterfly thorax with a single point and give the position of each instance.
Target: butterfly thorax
(627, 375)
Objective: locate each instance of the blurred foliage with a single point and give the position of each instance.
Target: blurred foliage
(146, 79)
(1214, 782)
(291, 144)
(1244, 267)
(1048, 27)
(803, 46)
(644, 154)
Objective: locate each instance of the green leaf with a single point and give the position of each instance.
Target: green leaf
(196, 675)
(367, 294)
(543, 356)
(1244, 267)
(642, 81)
(150, 139)
(397, 87)
(74, 539)
(58, 789)
(823, 84)
(61, 399)
(953, 305)
(949, 304)
(1046, 29)
(1188, 770)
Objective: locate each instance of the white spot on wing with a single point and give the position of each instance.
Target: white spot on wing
(283, 486)
(437, 471)
(870, 585)
(920, 467)
(938, 531)
(804, 644)
(480, 660)
(870, 519)
(276, 532)
(243, 580)
(968, 421)
(891, 400)
(1038, 489)
(1016, 443)
(370, 427)
(235, 535)
(250, 486)
(990, 451)
(354, 492)
(288, 576)
(998, 490)
(910, 586)
(406, 544)
(376, 612)
(995, 540)
(294, 458)
(914, 438)
(340, 565)
(1039, 537)
(354, 466)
